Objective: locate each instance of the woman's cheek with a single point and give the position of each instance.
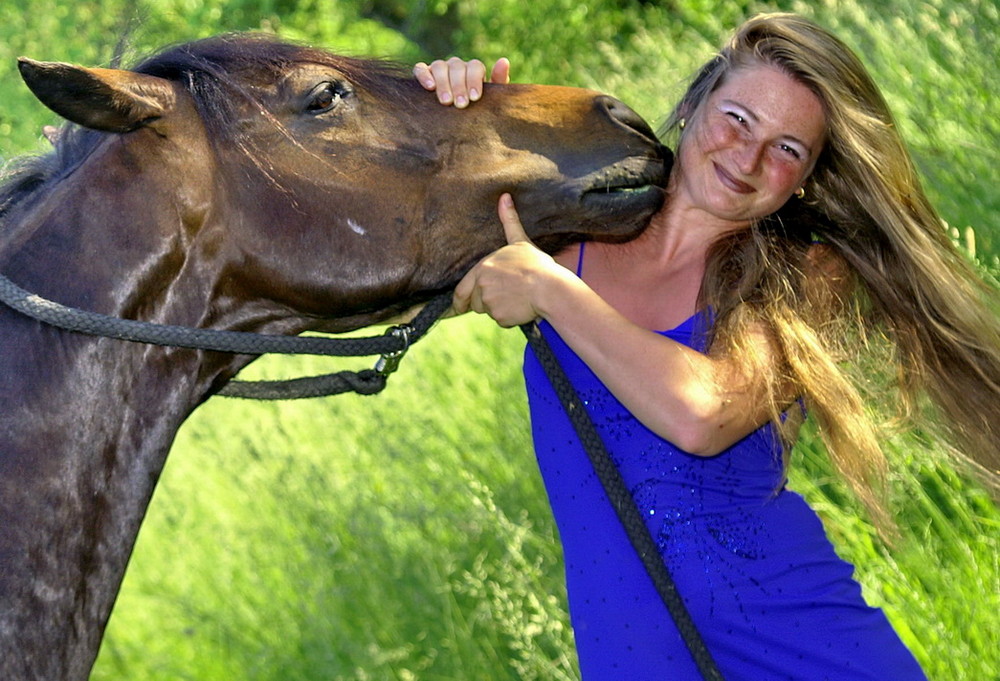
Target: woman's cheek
(786, 177)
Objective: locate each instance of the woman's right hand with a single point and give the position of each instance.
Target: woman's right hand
(457, 81)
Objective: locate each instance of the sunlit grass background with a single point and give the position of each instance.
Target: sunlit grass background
(407, 535)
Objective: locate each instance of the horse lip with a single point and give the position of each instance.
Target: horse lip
(624, 178)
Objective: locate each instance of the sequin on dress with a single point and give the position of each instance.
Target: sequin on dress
(766, 590)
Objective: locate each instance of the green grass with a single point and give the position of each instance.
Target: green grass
(407, 535)
(390, 537)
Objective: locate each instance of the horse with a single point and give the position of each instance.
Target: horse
(243, 183)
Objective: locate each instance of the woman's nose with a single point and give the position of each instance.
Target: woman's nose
(748, 156)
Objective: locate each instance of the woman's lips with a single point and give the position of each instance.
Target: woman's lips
(731, 182)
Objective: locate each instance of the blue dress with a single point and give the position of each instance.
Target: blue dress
(751, 560)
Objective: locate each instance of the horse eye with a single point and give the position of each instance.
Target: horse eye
(324, 97)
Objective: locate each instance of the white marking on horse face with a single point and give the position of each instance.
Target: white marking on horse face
(355, 227)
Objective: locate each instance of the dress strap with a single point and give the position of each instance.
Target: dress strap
(579, 260)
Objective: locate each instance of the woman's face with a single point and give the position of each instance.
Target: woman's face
(751, 145)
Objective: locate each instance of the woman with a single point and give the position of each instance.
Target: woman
(794, 236)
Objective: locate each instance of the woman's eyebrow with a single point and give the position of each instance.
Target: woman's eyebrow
(749, 113)
(747, 110)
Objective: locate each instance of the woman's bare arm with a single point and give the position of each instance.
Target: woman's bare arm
(702, 404)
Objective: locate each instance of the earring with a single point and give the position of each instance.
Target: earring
(682, 123)
(800, 193)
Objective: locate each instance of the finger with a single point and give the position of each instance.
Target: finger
(501, 71)
(422, 72)
(461, 300)
(457, 70)
(512, 227)
(476, 302)
(440, 73)
(475, 75)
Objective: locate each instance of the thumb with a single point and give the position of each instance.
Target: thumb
(512, 227)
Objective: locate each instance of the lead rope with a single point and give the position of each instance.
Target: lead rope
(621, 500)
(364, 382)
(392, 345)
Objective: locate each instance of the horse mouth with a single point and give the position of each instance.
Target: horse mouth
(633, 182)
(612, 204)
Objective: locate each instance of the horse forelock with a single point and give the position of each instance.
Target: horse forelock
(20, 179)
(236, 52)
(220, 72)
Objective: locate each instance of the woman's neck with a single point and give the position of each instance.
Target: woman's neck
(654, 280)
(684, 226)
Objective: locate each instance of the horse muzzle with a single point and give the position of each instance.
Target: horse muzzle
(614, 203)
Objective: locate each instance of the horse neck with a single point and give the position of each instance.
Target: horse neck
(86, 423)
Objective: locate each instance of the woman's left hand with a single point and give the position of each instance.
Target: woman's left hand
(508, 284)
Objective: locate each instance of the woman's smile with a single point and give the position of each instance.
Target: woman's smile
(731, 182)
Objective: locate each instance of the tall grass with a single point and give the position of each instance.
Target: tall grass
(401, 536)
(407, 535)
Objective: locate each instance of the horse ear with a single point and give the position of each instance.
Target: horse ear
(102, 99)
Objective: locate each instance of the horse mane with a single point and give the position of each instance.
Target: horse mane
(210, 69)
(23, 176)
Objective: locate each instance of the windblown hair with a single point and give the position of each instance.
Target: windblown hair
(857, 281)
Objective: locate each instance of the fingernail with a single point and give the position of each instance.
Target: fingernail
(445, 97)
(429, 83)
(461, 102)
(507, 201)
(474, 94)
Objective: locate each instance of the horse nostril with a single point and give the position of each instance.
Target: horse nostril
(622, 114)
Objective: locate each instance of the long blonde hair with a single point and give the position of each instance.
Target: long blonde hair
(858, 277)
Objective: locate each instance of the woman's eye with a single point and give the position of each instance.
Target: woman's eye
(791, 151)
(737, 117)
(323, 98)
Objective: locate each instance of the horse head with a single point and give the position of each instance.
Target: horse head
(337, 188)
